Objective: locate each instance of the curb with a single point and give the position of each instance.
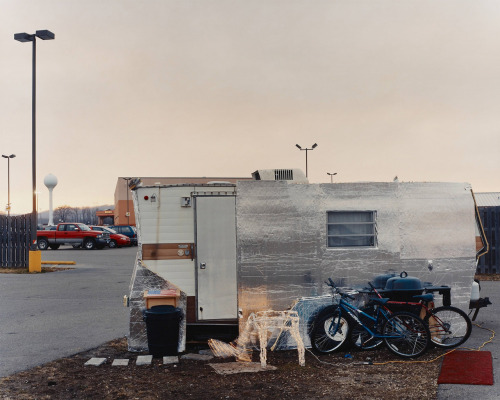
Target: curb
(59, 262)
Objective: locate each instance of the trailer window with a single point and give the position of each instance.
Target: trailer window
(352, 229)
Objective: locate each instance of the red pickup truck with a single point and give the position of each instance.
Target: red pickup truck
(74, 234)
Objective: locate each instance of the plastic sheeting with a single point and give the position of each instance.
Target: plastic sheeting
(143, 280)
(426, 229)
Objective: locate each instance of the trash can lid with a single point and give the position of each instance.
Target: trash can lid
(163, 309)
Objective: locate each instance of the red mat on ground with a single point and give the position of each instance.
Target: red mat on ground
(467, 368)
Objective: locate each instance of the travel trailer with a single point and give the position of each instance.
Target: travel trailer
(231, 249)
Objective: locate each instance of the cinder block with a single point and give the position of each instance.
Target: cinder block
(120, 362)
(95, 361)
(170, 360)
(144, 360)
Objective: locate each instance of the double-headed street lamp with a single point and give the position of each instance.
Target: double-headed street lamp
(331, 176)
(8, 181)
(306, 149)
(26, 37)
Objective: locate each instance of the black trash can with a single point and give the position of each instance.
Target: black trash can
(162, 324)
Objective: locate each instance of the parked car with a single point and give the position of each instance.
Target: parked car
(126, 230)
(115, 239)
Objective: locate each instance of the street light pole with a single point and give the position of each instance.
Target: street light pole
(306, 149)
(9, 246)
(331, 176)
(37, 209)
(8, 181)
(128, 212)
(25, 37)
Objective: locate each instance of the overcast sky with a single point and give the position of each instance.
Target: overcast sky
(222, 88)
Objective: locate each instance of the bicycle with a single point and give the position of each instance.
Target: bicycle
(449, 326)
(403, 333)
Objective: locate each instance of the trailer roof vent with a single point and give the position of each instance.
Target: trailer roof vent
(283, 175)
(294, 175)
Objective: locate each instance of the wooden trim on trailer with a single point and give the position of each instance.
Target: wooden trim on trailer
(168, 251)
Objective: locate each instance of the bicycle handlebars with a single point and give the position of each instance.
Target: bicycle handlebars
(332, 285)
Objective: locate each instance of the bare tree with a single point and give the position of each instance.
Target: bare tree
(89, 216)
(94, 218)
(63, 214)
(79, 214)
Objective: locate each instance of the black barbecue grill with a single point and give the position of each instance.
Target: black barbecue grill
(404, 287)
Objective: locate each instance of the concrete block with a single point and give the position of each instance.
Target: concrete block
(120, 362)
(170, 360)
(95, 361)
(144, 360)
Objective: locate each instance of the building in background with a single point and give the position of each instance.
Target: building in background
(488, 205)
(105, 217)
(124, 206)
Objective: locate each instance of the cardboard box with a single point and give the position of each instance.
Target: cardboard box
(165, 297)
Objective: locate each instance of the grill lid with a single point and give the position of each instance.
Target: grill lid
(381, 280)
(403, 282)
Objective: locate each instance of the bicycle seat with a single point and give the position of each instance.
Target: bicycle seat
(380, 301)
(425, 297)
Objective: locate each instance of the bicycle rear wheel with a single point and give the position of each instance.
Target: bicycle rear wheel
(449, 326)
(407, 335)
(329, 332)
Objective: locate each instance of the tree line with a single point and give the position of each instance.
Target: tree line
(86, 215)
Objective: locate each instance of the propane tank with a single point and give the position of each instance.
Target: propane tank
(474, 294)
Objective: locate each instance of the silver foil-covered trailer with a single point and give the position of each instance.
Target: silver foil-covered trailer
(235, 249)
(292, 237)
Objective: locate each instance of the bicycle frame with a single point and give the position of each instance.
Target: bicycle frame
(353, 312)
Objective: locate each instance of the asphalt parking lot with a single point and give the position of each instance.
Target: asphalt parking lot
(52, 315)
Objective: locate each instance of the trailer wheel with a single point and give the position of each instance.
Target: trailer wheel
(89, 244)
(43, 244)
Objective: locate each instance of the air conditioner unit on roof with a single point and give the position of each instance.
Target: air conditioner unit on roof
(295, 175)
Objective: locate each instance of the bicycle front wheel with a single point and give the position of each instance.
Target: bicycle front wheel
(406, 335)
(329, 332)
(449, 326)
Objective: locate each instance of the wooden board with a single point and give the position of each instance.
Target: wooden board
(168, 251)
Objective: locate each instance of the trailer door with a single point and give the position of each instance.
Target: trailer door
(216, 257)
